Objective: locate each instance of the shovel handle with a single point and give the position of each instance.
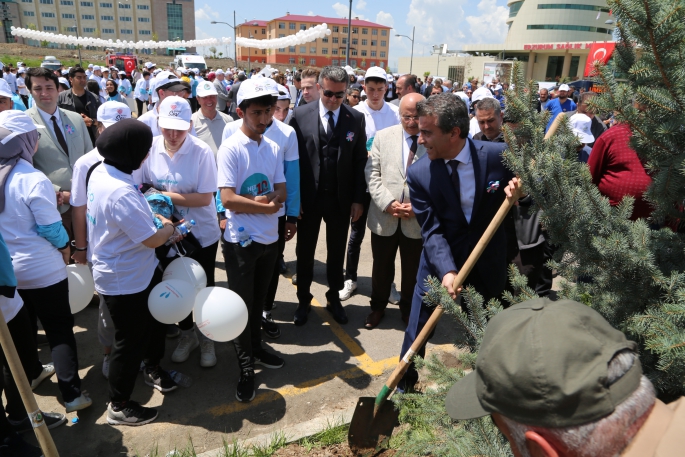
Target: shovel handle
(422, 337)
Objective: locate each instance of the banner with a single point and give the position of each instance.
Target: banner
(499, 70)
(598, 51)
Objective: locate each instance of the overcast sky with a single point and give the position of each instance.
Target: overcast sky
(455, 22)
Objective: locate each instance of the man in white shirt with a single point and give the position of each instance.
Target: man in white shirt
(89, 71)
(209, 123)
(164, 85)
(11, 78)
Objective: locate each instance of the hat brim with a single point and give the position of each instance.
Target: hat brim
(176, 87)
(584, 137)
(173, 124)
(462, 400)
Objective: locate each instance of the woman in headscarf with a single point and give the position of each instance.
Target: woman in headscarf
(39, 245)
(113, 94)
(123, 237)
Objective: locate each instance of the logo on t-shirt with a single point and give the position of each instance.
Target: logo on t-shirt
(257, 184)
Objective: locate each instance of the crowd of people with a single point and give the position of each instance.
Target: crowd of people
(255, 158)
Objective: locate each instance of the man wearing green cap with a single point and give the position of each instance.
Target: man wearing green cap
(559, 380)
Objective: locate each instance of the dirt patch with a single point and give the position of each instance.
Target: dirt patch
(338, 450)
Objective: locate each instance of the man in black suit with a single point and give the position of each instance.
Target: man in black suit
(455, 191)
(332, 146)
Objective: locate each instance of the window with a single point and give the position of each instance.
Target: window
(312, 50)
(263, 31)
(49, 28)
(291, 49)
(515, 7)
(334, 62)
(363, 52)
(373, 64)
(373, 53)
(365, 42)
(353, 52)
(143, 7)
(382, 53)
(124, 6)
(384, 43)
(47, 14)
(144, 32)
(380, 64)
(29, 13)
(303, 26)
(312, 61)
(107, 18)
(570, 6)
(344, 29)
(353, 63)
(374, 31)
(292, 25)
(107, 30)
(374, 42)
(355, 29)
(66, 2)
(324, 39)
(344, 41)
(125, 18)
(384, 32)
(281, 25)
(291, 60)
(46, 2)
(303, 49)
(126, 32)
(555, 64)
(143, 19)
(263, 51)
(68, 16)
(70, 29)
(174, 14)
(335, 39)
(88, 4)
(324, 51)
(355, 41)
(88, 29)
(573, 69)
(579, 28)
(88, 17)
(106, 5)
(365, 31)
(343, 52)
(334, 51)
(336, 29)
(302, 61)
(27, 1)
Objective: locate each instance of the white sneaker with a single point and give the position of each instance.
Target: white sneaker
(395, 296)
(347, 290)
(79, 403)
(48, 370)
(207, 355)
(105, 366)
(186, 345)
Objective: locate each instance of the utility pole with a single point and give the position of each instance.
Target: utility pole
(349, 34)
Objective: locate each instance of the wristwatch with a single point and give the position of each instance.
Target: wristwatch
(73, 245)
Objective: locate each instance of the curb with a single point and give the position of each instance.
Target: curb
(294, 432)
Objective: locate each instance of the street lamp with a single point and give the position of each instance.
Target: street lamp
(80, 62)
(411, 60)
(349, 32)
(235, 46)
(437, 70)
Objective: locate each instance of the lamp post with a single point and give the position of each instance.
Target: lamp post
(235, 46)
(349, 32)
(437, 70)
(411, 60)
(80, 62)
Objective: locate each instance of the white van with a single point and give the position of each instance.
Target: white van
(190, 61)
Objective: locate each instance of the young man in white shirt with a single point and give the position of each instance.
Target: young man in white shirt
(378, 115)
(164, 85)
(253, 189)
(209, 123)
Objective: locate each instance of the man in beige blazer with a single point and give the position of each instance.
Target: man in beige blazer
(63, 141)
(391, 219)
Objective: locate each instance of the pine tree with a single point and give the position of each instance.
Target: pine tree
(637, 267)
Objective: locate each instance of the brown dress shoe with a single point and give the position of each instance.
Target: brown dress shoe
(373, 319)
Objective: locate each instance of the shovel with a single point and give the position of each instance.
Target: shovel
(374, 419)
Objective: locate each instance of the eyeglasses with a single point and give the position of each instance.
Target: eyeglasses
(354, 96)
(410, 118)
(331, 94)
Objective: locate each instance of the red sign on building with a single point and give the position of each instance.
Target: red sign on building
(598, 51)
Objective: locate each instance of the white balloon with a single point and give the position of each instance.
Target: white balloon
(171, 301)
(220, 314)
(186, 269)
(81, 287)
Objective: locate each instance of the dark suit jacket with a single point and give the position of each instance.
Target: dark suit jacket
(351, 129)
(427, 91)
(448, 238)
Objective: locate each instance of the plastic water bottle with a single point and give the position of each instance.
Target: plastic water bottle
(244, 239)
(180, 231)
(181, 379)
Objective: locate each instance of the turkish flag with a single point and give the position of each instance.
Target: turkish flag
(598, 51)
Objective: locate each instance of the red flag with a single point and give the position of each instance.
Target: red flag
(598, 51)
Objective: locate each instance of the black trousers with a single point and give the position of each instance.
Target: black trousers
(247, 270)
(51, 305)
(193, 103)
(531, 264)
(139, 106)
(206, 257)
(354, 245)
(384, 250)
(137, 336)
(337, 221)
(273, 284)
(22, 333)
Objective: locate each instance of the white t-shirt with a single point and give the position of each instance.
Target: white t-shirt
(385, 117)
(192, 169)
(119, 220)
(474, 128)
(78, 178)
(278, 132)
(30, 201)
(253, 169)
(22, 82)
(10, 306)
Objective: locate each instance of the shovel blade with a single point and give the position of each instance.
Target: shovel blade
(369, 434)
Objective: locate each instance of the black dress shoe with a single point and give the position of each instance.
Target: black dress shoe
(282, 267)
(294, 279)
(301, 314)
(338, 312)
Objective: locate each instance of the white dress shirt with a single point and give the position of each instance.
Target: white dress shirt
(467, 180)
(323, 114)
(48, 121)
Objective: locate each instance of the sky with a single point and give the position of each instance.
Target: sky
(454, 22)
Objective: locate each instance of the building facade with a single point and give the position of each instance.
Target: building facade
(369, 42)
(130, 20)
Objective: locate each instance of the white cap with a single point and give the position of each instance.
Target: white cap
(271, 87)
(196, 71)
(241, 73)
(65, 72)
(182, 70)
(5, 89)
(156, 71)
(219, 72)
(112, 112)
(16, 122)
(113, 68)
(375, 72)
(205, 89)
(149, 65)
(360, 78)
(389, 78)
(564, 87)
(19, 64)
(96, 68)
(283, 93)
(90, 65)
(349, 70)
(174, 113)
(252, 88)
(582, 127)
(21, 70)
(105, 69)
(480, 94)
(64, 81)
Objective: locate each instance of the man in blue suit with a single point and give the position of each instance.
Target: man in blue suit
(455, 191)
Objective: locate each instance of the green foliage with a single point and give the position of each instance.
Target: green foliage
(334, 433)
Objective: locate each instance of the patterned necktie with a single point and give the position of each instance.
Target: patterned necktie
(412, 152)
(331, 126)
(455, 177)
(60, 137)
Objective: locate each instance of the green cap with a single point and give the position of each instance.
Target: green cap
(545, 363)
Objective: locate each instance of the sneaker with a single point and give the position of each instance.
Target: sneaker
(245, 391)
(172, 331)
(186, 345)
(14, 446)
(52, 420)
(395, 296)
(207, 355)
(105, 366)
(348, 289)
(270, 327)
(267, 360)
(132, 413)
(159, 379)
(79, 403)
(48, 370)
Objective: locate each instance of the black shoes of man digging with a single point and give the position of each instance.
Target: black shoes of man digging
(336, 309)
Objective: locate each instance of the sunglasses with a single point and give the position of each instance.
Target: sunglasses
(331, 94)
(354, 96)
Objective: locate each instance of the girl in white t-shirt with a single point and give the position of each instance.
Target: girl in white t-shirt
(184, 169)
(122, 237)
